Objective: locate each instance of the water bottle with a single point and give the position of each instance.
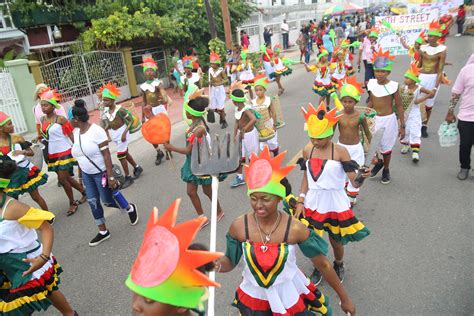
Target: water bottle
(120, 200)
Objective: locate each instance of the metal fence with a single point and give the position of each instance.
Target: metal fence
(9, 102)
(80, 75)
(159, 55)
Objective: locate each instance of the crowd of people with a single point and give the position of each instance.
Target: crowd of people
(266, 238)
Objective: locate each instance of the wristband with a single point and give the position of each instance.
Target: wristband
(402, 126)
(303, 195)
(44, 257)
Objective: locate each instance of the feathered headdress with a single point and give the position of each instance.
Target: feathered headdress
(421, 38)
(165, 270)
(51, 96)
(261, 80)
(349, 87)
(383, 60)
(188, 62)
(320, 123)
(149, 63)
(110, 91)
(264, 173)
(214, 58)
(436, 29)
(322, 52)
(413, 73)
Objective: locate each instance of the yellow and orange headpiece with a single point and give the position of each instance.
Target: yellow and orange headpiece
(320, 123)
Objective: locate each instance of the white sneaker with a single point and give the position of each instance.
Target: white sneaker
(415, 157)
(405, 149)
(458, 35)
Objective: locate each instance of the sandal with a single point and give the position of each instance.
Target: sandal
(73, 208)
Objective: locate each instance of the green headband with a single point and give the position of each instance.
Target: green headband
(419, 40)
(271, 188)
(412, 77)
(373, 34)
(261, 83)
(8, 119)
(350, 91)
(145, 68)
(328, 132)
(435, 33)
(323, 53)
(237, 99)
(4, 183)
(106, 94)
(194, 112)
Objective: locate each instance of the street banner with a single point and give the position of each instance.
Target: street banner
(409, 26)
(447, 7)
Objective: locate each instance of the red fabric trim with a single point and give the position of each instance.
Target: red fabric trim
(60, 154)
(47, 275)
(387, 153)
(415, 145)
(313, 214)
(67, 128)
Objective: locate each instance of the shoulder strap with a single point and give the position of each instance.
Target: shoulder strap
(332, 151)
(311, 153)
(287, 231)
(90, 160)
(246, 224)
(6, 204)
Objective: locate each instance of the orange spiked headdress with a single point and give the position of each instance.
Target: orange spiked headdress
(436, 29)
(110, 91)
(214, 58)
(188, 62)
(149, 63)
(413, 73)
(51, 96)
(261, 80)
(264, 173)
(383, 60)
(165, 270)
(374, 32)
(319, 121)
(349, 87)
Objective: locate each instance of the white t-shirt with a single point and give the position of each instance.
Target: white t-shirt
(90, 141)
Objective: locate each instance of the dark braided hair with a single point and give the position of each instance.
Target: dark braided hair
(200, 104)
(79, 110)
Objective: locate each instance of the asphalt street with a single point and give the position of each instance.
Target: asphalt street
(418, 259)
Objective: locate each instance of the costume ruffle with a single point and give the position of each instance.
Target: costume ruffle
(26, 180)
(281, 72)
(188, 176)
(322, 89)
(61, 161)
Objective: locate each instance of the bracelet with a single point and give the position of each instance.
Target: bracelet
(44, 257)
(402, 126)
(217, 266)
(303, 195)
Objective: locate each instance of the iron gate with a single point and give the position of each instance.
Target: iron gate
(9, 103)
(80, 75)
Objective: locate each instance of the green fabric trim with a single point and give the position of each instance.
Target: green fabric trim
(313, 246)
(350, 91)
(233, 249)
(106, 94)
(261, 83)
(4, 183)
(412, 77)
(234, 98)
(271, 188)
(193, 112)
(325, 53)
(218, 62)
(8, 119)
(435, 33)
(358, 236)
(147, 67)
(373, 34)
(387, 68)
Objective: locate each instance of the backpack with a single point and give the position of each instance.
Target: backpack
(129, 107)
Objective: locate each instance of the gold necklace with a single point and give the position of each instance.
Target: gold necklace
(268, 237)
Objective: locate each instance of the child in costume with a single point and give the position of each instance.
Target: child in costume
(244, 128)
(366, 52)
(195, 109)
(267, 122)
(57, 130)
(279, 68)
(267, 239)
(235, 63)
(217, 79)
(414, 51)
(338, 66)
(267, 59)
(178, 70)
(155, 99)
(382, 93)
(29, 273)
(412, 100)
(350, 125)
(346, 45)
(246, 75)
(322, 85)
(179, 289)
(323, 199)
(120, 121)
(27, 178)
(189, 76)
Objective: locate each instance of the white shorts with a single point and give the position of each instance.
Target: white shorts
(116, 136)
(268, 69)
(413, 127)
(428, 81)
(250, 143)
(217, 98)
(159, 109)
(271, 143)
(391, 132)
(356, 152)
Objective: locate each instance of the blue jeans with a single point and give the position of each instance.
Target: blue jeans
(95, 192)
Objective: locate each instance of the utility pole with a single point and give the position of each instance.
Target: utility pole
(226, 21)
(210, 18)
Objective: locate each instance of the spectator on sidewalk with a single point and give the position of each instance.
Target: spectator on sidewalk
(285, 32)
(327, 42)
(267, 35)
(244, 39)
(351, 35)
(460, 19)
(339, 33)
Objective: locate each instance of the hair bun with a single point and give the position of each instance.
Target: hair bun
(79, 103)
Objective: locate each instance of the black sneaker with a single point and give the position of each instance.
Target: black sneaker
(99, 238)
(128, 182)
(137, 171)
(385, 176)
(132, 214)
(159, 157)
(424, 131)
(316, 277)
(376, 169)
(339, 268)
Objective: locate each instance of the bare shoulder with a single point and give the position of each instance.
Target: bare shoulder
(62, 120)
(15, 210)
(298, 232)
(307, 150)
(341, 152)
(237, 228)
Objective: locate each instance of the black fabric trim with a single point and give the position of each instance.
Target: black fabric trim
(302, 163)
(350, 165)
(316, 176)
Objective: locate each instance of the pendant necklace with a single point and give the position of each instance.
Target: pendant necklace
(268, 237)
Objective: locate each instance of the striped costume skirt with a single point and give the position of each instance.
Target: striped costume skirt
(322, 89)
(61, 160)
(285, 71)
(24, 295)
(25, 179)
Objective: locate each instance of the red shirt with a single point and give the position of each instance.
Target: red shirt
(267, 55)
(245, 41)
(461, 14)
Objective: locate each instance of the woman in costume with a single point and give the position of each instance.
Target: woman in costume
(323, 200)
(57, 130)
(29, 273)
(181, 288)
(27, 177)
(155, 99)
(195, 109)
(272, 283)
(279, 68)
(246, 75)
(322, 85)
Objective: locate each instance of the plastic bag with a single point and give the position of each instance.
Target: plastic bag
(448, 134)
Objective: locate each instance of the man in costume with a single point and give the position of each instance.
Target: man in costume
(217, 79)
(432, 60)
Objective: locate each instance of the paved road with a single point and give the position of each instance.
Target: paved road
(417, 260)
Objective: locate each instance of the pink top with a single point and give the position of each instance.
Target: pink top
(366, 49)
(38, 113)
(464, 86)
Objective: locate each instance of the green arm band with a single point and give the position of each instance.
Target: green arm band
(313, 246)
(233, 249)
